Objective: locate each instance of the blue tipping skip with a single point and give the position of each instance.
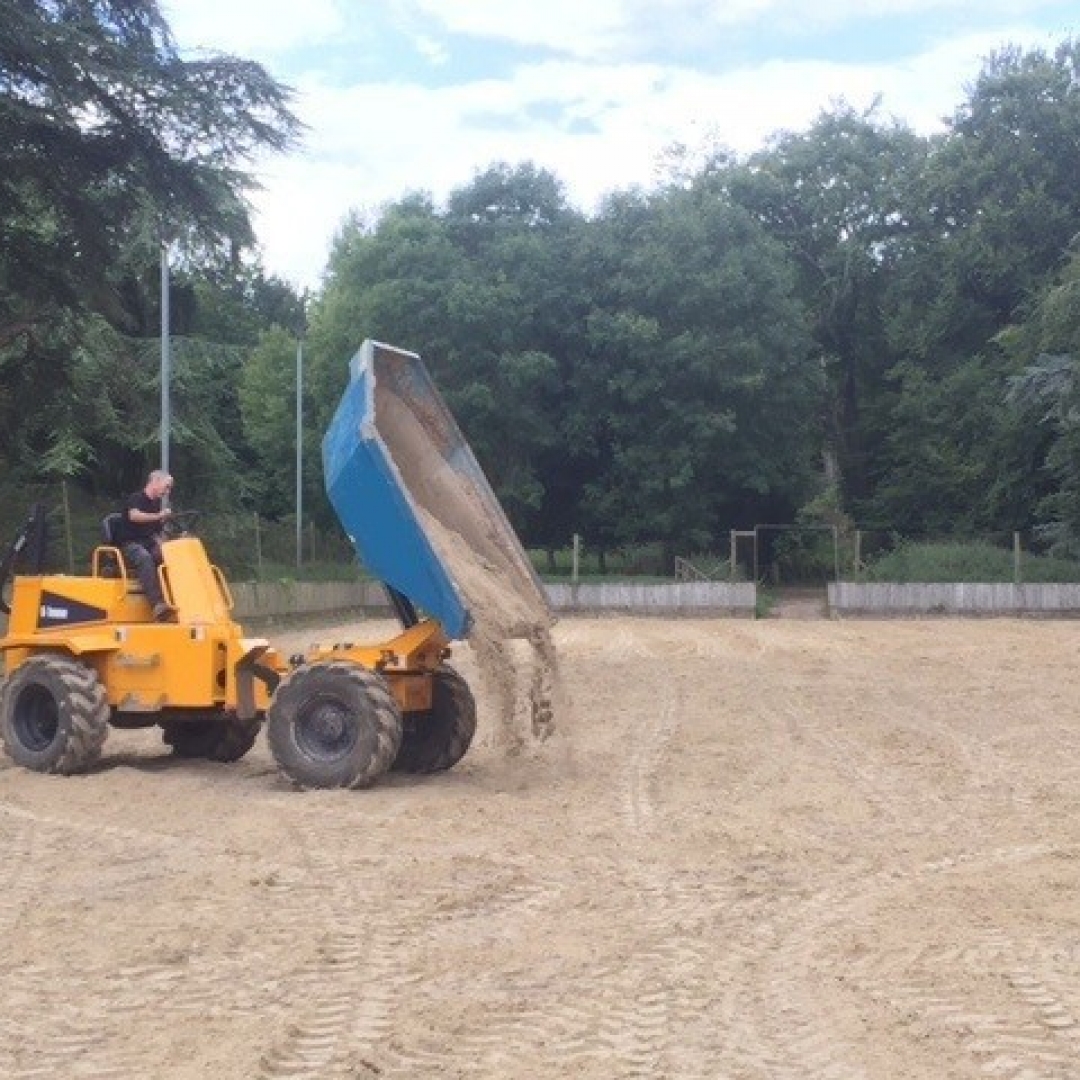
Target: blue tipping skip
(366, 491)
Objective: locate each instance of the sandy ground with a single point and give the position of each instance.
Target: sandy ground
(775, 850)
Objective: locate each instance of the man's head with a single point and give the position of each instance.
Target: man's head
(158, 484)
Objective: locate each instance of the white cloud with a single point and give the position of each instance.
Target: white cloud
(434, 50)
(370, 144)
(596, 29)
(601, 29)
(597, 122)
(577, 27)
(252, 28)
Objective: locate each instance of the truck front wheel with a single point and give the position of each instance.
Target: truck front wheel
(333, 724)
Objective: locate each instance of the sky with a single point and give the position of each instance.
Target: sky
(402, 96)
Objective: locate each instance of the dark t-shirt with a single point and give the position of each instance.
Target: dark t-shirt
(132, 532)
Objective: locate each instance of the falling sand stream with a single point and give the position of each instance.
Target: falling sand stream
(511, 620)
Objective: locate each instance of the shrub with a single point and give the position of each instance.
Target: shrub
(966, 562)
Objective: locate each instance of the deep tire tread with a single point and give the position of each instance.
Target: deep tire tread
(439, 738)
(213, 735)
(376, 714)
(84, 714)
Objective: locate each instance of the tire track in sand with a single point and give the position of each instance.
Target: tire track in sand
(488, 902)
(639, 1015)
(348, 999)
(784, 982)
(640, 1008)
(795, 961)
(341, 996)
(340, 993)
(17, 889)
(618, 1020)
(1032, 1030)
(55, 1022)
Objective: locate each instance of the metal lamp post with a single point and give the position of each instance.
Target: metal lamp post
(166, 358)
(299, 450)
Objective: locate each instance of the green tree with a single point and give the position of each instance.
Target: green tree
(105, 127)
(1046, 399)
(699, 372)
(237, 308)
(994, 211)
(481, 290)
(267, 398)
(837, 197)
(109, 139)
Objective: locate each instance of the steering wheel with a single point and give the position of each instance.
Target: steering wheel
(179, 523)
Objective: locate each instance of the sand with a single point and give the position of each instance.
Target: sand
(757, 850)
(477, 546)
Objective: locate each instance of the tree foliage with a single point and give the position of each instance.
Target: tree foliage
(110, 143)
(837, 196)
(1046, 396)
(856, 324)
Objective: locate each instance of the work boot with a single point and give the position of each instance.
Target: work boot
(164, 612)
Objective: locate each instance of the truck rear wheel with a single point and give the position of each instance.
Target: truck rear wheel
(213, 734)
(54, 715)
(333, 724)
(440, 737)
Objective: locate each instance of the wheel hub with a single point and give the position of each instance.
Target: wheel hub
(37, 718)
(325, 729)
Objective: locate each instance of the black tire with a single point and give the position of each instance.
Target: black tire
(54, 715)
(214, 734)
(333, 724)
(439, 738)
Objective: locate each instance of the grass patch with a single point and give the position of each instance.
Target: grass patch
(970, 562)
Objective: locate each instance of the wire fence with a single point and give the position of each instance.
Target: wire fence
(247, 546)
(251, 547)
(777, 555)
(797, 555)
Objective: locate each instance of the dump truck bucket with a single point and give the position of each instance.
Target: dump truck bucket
(416, 504)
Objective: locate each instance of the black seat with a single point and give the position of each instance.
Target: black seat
(110, 533)
(110, 528)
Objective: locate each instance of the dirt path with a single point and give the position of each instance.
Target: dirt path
(754, 850)
(801, 604)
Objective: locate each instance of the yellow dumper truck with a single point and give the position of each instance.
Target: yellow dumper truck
(83, 654)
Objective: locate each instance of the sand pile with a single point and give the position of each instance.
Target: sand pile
(511, 618)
